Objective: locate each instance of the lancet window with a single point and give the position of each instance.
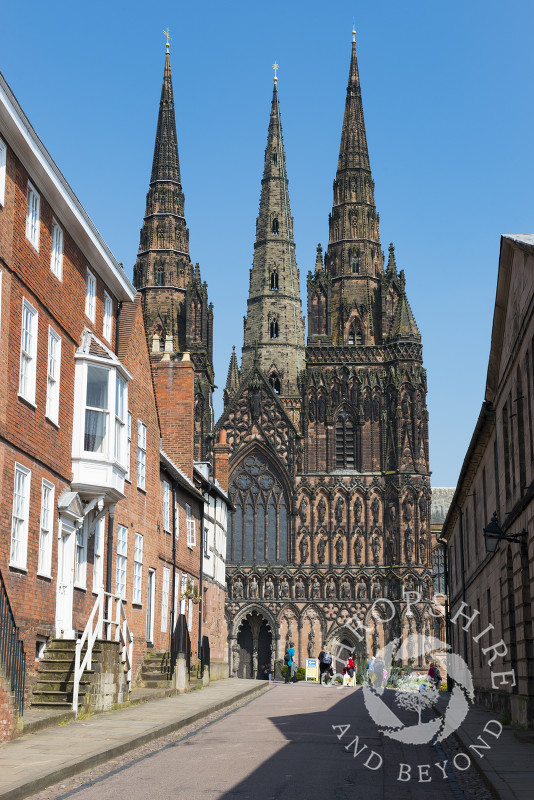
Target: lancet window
(345, 441)
(258, 528)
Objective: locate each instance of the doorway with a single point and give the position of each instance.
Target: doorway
(65, 579)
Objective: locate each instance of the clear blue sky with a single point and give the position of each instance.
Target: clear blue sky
(447, 92)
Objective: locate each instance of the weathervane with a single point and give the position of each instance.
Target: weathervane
(275, 67)
(168, 35)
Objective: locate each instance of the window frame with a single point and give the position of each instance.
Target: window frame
(137, 589)
(121, 565)
(22, 560)
(3, 172)
(166, 506)
(127, 477)
(165, 590)
(52, 394)
(80, 556)
(141, 455)
(46, 526)
(56, 250)
(120, 421)
(90, 296)
(33, 215)
(191, 527)
(28, 359)
(108, 317)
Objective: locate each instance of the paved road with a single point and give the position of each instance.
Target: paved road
(280, 746)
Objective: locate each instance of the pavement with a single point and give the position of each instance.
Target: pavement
(37, 760)
(507, 767)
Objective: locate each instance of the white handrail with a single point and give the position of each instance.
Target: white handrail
(92, 632)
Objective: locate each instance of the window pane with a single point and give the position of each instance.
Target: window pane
(95, 431)
(97, 387)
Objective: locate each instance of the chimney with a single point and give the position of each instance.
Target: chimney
(221, 454)
(174, 384)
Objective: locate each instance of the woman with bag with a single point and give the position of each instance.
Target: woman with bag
(289, 660)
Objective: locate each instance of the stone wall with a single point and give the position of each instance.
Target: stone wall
(108, 682)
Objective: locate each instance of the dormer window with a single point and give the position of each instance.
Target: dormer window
(274, 281)
(274, 380)
(275, 227)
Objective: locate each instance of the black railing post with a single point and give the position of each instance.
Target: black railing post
(12, 655)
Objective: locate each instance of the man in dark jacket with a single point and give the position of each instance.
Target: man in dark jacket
(325, 662)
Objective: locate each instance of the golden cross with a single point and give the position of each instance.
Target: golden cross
(275, 67)
(168, 35)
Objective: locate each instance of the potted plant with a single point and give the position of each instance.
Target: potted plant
(189, 589)
(195, 597)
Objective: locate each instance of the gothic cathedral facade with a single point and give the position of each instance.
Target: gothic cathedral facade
(329, 463)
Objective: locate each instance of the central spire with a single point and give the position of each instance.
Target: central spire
(165, 165)
(274, 328)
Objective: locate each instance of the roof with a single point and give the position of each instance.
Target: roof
(179, 476)
(213, 486)
(48, 179)
(521, 238)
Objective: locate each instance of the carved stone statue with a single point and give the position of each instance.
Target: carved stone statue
(331, 589)
(300, 589)
(346, 589)
(408, 545)
(427, 590)
(422, 508)
(422, 545)
(316, 589)
(358, 547)
(253, 589)
(392, 549)
(303, 508)
(407, 509)
(339, 551)
(358, 511)
(409, 585)
(238, 589)
(376, 546)
(321, 510)
(405, 405)
(304, 550)
(362, 590)
(235, 659)
(269, 589)
(375, 510)
(340, 505)
(284, 589)
(377, 589)
(311, 643)
(392, 517)
(321, 550)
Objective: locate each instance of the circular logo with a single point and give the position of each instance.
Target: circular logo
(414, 646)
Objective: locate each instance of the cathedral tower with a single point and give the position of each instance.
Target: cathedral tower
(178, 317)
(274, 327)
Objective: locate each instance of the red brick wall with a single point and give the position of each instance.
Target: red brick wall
(174, 385)
(7, 715)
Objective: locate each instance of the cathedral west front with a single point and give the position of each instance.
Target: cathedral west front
(329, 464)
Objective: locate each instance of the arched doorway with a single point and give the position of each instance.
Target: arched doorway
(254, 640)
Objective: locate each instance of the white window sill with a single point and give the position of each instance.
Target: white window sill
(20, 567)
(91, 320)
(136, 604)
(141, 489)
(46, 575)
(35, 245)
(27, 400)
(53, 422)
(80, 587)
(58, 277)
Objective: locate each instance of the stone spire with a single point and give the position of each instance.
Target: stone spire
(274, 326)
(166, 166)
(232, 380)
(354, 255)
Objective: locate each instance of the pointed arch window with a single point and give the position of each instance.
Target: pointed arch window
(274, 329)
(160, 276)
(258, 529)
(274, 281)
(274, 380)
(345, 442)
(275, 227)
(275, 159)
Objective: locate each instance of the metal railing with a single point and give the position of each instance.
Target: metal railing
(181, 643)
(95, 630)
(12, 655)
(204, 655)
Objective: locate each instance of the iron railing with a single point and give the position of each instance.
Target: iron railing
(12, 655)
(181, 643)
(204, 655)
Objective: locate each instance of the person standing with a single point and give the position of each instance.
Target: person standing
(349, 666)
(291, 664)
(370, 669)
(325, 662)
(378, 670)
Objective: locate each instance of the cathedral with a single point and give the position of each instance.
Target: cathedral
(329, 464)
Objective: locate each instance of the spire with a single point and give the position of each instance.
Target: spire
(392, 265)
(319, 259)
(166, 166)
(232, 380)
(274, 326)
(353, 149)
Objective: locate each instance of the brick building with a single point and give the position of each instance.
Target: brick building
(97, 433)
(329, 441)
(497, 475)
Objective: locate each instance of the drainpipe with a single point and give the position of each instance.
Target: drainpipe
(109, 564)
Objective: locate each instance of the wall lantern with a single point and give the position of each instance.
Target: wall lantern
(493, 534)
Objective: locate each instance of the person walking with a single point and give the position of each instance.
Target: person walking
(291, 663)
(325, 662)
(349, 666)
(378, 670)
(370, 666)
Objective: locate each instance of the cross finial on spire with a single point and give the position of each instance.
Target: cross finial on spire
(353, 31)
(275, 67)
(168, 35)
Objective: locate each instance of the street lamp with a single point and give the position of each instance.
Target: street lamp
(493, 534)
